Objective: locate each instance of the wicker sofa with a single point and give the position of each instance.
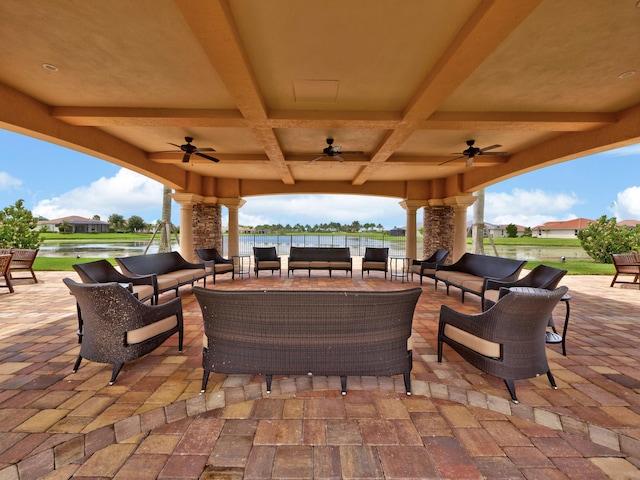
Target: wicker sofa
(469, 272)
(320, 258)
(281, 332)
(171, 269)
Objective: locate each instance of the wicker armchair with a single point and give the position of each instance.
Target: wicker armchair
(214, 263)
(375, 259)
(118, 327)
(506, 341)
(541, 276)
(5, 261)
(266, 258)
(101, 271)
(427, 267)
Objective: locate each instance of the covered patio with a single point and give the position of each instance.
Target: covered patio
(460, 423)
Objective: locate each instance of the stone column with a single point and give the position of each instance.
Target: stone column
(411, 207)
(460, 204)
(187, 201)
(438, 232)
(233, 205)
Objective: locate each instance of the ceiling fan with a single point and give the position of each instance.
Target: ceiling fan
(334, 151)
(190, 149)
(472, 152)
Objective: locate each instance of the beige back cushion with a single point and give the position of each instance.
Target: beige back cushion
(149, 331)
(477, 344)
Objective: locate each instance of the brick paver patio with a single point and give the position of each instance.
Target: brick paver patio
(459, 424)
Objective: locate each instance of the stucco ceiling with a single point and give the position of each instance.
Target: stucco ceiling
(265, 83)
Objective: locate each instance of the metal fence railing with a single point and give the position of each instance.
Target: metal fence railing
(357, 243)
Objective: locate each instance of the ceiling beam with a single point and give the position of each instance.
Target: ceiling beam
(213, 26)
(483, 32)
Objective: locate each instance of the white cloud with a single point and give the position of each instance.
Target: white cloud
(315, 209)
(627, 207)
(126, 193)
(624, 151)
(7, 181)
(528, 207)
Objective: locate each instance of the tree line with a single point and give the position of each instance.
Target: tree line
(330, 227)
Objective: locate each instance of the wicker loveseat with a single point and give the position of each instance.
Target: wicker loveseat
(469, 272)
(320, 258)
(171, 269)
(280, 332)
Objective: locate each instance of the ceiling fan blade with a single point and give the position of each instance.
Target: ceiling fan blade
(213, 159)
(316, 159)
(495, 154)
(206, 149)
(490, 148)
(186, 157)
(339, 158)
(469, 161)
(453, 159)
(175, 145)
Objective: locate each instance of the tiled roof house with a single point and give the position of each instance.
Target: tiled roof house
(78, 224)
(566, 229)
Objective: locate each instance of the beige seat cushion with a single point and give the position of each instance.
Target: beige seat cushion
(319, 264)
(143, 291)
(374, 265)
(294, 264)
(477, 344)
(492, 295)
(223, 267)
(166, 281)
(473, 285)
(149, 331)
(268, 264)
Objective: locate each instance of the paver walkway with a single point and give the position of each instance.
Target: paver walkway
(153, 423)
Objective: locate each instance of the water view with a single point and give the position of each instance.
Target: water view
(283, 243)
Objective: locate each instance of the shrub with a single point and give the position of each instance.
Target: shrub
(18, 227)
(603, 237)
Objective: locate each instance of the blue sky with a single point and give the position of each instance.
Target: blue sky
(56, 182)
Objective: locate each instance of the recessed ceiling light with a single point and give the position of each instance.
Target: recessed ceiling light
(50, 67)
(627, 74)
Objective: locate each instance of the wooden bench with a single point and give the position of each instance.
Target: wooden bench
(22, 261)
(312, 332)
(626, 264)
(171, 269)
(469, 272)
(320, 258)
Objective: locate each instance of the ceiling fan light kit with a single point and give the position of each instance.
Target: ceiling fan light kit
(334, 151)
(190, 149)
(471, 152)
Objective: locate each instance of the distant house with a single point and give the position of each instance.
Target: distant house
(500, 231)
(629, 223)
(398, 232)
(77, 224)
(566, 229)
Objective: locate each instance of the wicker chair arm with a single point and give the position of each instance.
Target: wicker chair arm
(473, 323)
(152, 313)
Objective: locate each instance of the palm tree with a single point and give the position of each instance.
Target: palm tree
(477, 228)
(165, 227)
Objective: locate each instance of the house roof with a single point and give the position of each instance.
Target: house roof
(74, 219)
(574, 224)
(403, 84)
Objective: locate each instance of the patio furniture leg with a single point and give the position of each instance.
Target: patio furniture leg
(77, 364)
(343, 384)
(511, 386)
(205, 380)
(407, 382)
(552, 380)
(269, 379)
(116, 370)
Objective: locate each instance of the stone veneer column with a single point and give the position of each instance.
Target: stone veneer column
(207, 226)
(445, 225)
(438, 227)
(233, 205)
(411, 207)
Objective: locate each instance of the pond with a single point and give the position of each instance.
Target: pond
(397, 248)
